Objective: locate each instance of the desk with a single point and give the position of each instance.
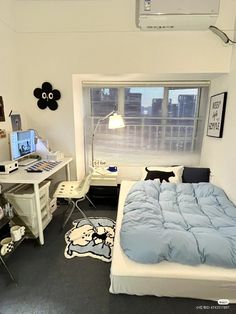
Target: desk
(22, 176)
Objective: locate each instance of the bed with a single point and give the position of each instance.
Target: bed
(166, 278)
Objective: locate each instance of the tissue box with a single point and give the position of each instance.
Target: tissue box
(54, 156)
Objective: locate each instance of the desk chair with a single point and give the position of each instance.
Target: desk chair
(75, 192)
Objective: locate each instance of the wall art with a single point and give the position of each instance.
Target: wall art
(47, 96)
(15, 122)
(3, 133)
(2, 115)
(216, 115)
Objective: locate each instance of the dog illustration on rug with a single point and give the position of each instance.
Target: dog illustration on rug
(83, 240)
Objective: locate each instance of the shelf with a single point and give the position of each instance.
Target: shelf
(3, 222)
(16, 244)
(102, 177)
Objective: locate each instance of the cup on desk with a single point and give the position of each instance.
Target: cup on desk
(17, 232)
(112, 168)
(7, 246)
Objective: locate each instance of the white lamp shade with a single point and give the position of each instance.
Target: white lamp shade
(116, 121)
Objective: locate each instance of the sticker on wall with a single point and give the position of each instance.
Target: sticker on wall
(2, 115)
(15, 121)
(3, 133)
(47, 96)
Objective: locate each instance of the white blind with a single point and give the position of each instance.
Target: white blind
(203, 83)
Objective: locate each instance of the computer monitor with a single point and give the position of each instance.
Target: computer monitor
(22, 144)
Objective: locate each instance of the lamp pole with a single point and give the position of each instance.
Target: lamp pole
(94, 132)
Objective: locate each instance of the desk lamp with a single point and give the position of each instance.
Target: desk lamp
(115, 122)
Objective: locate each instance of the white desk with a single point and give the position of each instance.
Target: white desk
(35, 178)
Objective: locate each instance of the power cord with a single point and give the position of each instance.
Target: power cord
(221, 34)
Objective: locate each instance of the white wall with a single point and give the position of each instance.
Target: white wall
(99, 37)
(220, 153)
(56, 39)
(8, 87)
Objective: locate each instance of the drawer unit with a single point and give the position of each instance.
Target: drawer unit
(23, 201)
(53, 204)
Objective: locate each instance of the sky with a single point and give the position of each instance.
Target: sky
(148, 93)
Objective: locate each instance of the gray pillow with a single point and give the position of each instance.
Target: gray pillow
(195, 175)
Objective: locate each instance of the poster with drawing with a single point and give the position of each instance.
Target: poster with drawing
(2, 115)
(216, 115)
(16, 122)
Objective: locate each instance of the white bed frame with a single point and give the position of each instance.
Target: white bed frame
(167, 279)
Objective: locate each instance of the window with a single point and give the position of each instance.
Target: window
(161, 122)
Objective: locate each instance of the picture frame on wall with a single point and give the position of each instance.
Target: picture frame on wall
(216, 115)
(16, 122)
(2, 115)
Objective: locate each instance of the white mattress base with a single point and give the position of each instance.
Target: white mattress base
(167, 279)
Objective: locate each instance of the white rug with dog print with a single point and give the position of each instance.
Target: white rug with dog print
(82, 240)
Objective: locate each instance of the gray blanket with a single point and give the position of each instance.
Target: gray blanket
(183, 223)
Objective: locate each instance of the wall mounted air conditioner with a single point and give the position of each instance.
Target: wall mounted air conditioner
(177, 14)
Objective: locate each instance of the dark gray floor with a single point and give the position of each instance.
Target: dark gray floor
(50, 283)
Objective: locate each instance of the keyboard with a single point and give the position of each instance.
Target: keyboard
(43, 165)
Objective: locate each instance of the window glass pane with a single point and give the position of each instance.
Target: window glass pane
(103, 100)
(182, 102)
(143, 101)
(160, 122)
(183, 110)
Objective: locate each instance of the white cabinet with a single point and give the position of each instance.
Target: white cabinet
(103, 177)
(23, 201)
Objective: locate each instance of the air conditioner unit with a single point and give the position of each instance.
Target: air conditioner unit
(177, 14)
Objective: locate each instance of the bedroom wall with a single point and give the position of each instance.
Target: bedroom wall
(100, 37)
(8, 86)
(57, 39)
(220, 153)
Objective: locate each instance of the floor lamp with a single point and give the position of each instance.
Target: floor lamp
(115, 122)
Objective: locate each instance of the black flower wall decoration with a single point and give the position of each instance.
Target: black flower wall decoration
(47, 97)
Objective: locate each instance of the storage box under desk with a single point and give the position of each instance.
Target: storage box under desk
(22, 198)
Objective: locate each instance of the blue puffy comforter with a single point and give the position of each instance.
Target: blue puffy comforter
(183, 223)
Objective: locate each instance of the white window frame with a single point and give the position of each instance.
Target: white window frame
(167, 85)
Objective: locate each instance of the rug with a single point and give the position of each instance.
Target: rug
(83, 241)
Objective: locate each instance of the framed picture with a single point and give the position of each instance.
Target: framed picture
(15, 122)
(216, 115)
(2, 115)
(3, 133)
